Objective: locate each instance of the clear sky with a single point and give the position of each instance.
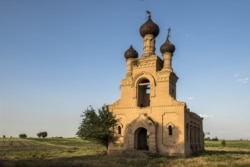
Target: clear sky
(57, 57)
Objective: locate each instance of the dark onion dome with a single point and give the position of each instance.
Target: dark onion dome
(149, 27)
(167, 46)
(131, 53)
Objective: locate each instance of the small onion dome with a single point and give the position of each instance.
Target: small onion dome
(167, 46)
(131, 53)
(149, 27)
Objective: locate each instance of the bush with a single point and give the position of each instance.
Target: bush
(207, 139)
(215, 139)
(223, 142)
(23, 135)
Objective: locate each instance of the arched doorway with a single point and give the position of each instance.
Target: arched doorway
(141, 142)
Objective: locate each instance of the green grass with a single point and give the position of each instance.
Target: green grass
(76, 152)
(245, 144)
(51, 151)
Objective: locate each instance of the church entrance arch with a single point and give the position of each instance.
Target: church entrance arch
(141, 140)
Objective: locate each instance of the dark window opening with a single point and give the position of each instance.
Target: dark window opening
(187, 131)
(143, 92)
(119, 130)
(190, 136)
(170, 130)
(172, 92)
(198, 135)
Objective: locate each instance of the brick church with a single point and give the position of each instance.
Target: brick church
(150, 117)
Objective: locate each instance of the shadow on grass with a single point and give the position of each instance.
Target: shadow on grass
(210, 156)
(78, 161)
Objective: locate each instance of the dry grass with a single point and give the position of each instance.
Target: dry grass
(76, 152)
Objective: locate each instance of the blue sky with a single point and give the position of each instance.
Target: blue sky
(58, 57)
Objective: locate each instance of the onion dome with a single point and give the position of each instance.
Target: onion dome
(131, 53)
(149, 27)
(167, 46)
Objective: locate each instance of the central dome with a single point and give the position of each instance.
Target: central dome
(149, 27)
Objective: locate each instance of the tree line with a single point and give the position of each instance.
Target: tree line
(43, 134)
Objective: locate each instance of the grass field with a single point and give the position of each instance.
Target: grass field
(76, 152)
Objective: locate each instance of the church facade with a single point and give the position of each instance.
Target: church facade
(150, 117)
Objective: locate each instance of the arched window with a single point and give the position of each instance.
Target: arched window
(170, 130)
(198, 135)
(143, 93)
(191, 132)
(119, 128)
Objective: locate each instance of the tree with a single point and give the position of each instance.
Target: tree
(42, 134)
(23, 135)
(97, 125)
(39, 134)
